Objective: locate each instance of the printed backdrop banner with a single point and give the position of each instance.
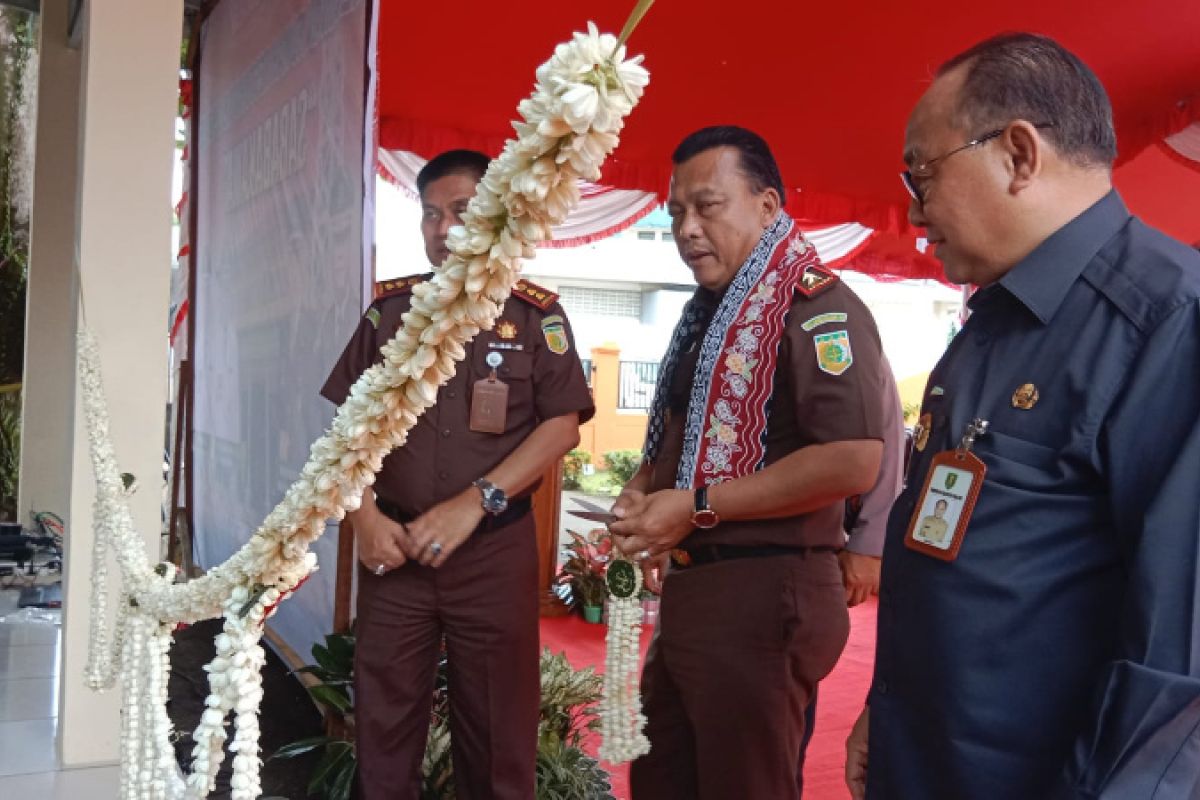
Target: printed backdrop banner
(281, 277)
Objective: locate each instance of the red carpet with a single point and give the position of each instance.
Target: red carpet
(841, 699)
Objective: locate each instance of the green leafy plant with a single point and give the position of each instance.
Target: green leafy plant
(333, 777)
(567, 710)
(622, 464)
(10, 450)
(911, 410)
(573, 463)
(583, 569)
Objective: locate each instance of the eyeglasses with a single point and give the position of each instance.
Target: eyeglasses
(924, 169)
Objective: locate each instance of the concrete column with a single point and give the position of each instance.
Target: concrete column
(51, 301)
(129, 101)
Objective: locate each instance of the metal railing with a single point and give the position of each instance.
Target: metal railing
(635, 388)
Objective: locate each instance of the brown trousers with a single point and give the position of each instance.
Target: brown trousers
(484, 601)
(740, 647)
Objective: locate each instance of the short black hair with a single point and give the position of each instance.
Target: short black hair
(1032, 77)
(451, 162)
(754, 156)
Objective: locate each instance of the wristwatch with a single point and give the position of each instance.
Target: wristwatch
(704, 517)
(494, 498)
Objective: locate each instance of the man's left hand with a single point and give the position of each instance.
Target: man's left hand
(657, 525)
(436, 534)
(860, 575)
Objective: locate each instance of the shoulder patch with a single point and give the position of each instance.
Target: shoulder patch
(396, 286)
(815, 280)
(535, 295)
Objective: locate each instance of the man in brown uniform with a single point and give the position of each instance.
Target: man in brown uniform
(446, 539)
(768, 414)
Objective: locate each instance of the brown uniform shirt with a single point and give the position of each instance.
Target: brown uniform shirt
(443, 455)
(808, 406)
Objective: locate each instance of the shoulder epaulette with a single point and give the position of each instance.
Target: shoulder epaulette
(815, 280)
(535, 295)
(396, 286)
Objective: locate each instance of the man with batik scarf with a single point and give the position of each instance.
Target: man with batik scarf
(767, 415)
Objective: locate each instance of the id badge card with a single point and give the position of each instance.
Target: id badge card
(943, 511)
(489, 405)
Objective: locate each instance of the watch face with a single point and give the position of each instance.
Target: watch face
(495, 502)
(705, 518)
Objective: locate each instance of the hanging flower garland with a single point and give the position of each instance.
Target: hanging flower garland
(569, 125)
(621, 718)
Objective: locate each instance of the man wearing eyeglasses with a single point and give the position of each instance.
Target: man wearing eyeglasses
(1058, 654)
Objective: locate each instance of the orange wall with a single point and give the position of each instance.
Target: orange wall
(610, 429)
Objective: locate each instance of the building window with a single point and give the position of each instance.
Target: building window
(667, 236)
(602, 302)
(645, 236)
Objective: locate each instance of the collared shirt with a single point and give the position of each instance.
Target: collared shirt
(1059, 654)
(866, 528)
(443, 455)
(808, 406)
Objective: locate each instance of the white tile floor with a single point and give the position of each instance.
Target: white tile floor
(29, 675)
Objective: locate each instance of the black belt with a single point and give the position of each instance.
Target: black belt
(516, 510)
(711, 553)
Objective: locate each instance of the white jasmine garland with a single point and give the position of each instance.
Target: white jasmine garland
(569, 125)
(621, 718)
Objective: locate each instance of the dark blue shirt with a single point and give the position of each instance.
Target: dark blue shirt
(1059, 655)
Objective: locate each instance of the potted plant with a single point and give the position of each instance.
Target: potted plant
(583, 572)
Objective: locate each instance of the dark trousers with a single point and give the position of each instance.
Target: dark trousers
(484, 601)
(810, 724)
(740, 647)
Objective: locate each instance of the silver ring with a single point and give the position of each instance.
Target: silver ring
(436, 549)
(643, 556)
(380, 569)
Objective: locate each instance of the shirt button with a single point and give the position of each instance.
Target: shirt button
(446, 433)
(444, 475)
(450, 393)
(881, 687)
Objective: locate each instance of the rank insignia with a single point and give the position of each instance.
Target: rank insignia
(1025, 397)
(555, 332)
(506, 330)
(921, 432)
(833, 352)
(815, 280)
